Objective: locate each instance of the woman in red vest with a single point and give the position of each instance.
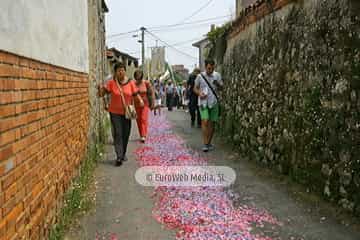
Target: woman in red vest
(145, 90)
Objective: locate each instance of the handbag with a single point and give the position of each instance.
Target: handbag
(130, 111)
(213, 91)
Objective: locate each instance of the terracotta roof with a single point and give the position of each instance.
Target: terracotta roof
(110, 53)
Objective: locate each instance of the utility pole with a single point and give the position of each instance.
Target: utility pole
(143, 47)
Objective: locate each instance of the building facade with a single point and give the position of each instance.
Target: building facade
(47, 54)
(97, 64)
(157, 63)
(114, 56)
(204, 47)
(181, 70)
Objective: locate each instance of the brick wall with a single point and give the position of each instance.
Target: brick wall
(43, 137)
(256, 12)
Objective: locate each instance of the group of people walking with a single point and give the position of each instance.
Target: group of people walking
(199, 93)
(124, 93)
(176, 96)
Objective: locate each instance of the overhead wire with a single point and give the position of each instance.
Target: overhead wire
(188, 23)
(173, 27)
(162, 27)
(197, 11)
(185, 28)
(121, 34)
(170, 46)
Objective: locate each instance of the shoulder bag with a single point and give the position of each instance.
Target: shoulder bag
(130, 112)
(212, 90)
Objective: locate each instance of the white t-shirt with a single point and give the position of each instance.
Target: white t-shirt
(210, 101)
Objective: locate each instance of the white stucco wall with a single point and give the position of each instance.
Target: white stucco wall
(52, 31)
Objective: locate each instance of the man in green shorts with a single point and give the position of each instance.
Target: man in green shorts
(206, 86)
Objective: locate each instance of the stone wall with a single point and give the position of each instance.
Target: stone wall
(97, 67)
(292, 98)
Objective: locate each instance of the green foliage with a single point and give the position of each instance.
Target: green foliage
(218, 32)
(217, 38)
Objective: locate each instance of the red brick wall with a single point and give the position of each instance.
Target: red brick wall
(43, 137)
(256, 12)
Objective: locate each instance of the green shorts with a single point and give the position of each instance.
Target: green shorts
(211, 114)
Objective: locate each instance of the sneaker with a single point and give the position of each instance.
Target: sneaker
(125, 159)
(211, 147)
(142, 139)
(205, 148)
(118, 162)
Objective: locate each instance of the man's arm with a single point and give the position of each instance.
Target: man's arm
(219, 83)
(139, 100)
(152, 92)
(197, 89)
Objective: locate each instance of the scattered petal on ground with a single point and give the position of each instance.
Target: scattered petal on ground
(195, 212)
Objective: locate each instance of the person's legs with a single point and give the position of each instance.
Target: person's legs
(169, 101)
(204, 111)
(139, 120)
(213, 118)
(126, 124)
(116, 121)
(211, 128)
(176, 101)
(157, 105)
(163, 101)
(112, 129)
(172, 102)
(205, 130)
(144, 121)
(192, 110)
(198, 116)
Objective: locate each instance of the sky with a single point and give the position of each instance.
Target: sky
(194, 18)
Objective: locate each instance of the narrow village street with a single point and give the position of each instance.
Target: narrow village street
(258, 136)
(261, 205)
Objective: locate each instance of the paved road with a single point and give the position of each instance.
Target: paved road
(124, 208)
